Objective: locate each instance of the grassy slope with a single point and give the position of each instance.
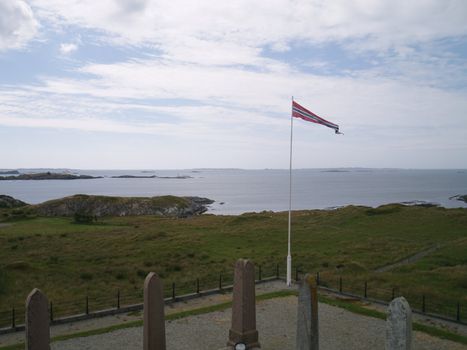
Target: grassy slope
(68, 261)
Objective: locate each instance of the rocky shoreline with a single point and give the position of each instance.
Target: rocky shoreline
(462, 198)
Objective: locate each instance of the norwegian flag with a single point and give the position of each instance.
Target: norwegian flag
(301, 112)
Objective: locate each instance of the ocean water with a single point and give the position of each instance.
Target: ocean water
(238, 191)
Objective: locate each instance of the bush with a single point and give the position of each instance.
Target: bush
(86, 276)
(3, 282)
(83, 218)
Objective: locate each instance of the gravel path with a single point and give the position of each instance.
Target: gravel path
(276, 320)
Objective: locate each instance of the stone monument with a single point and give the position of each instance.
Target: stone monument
(154, 319)
(399, 325)
(307, 315)
(37, 321)
(243, 328)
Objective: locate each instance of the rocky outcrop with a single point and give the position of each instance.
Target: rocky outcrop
(459, 197)
(99, 206)
(10, 202)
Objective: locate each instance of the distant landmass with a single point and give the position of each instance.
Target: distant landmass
(49, 176)
(151, 177)
(9, 172)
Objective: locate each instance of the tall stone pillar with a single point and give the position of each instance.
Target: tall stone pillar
(307, 315)
(154, 319)
(243, 328)
(399, 325)
(37, 321)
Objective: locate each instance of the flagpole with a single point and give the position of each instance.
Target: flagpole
(289, 256)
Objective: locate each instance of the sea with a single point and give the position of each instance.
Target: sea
(237, 191)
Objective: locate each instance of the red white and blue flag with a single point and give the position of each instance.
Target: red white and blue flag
(301, 112)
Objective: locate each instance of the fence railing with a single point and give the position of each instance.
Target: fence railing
(434, 306)
(116, 301)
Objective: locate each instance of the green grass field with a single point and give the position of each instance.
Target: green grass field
(69, 261)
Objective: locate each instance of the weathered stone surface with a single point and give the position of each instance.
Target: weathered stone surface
(154, 319)
(399, 325)
(37, 321)
(244, 306)
(10, 202)
(99, 206)
(307, 315)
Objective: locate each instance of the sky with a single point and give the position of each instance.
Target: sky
(143, 84)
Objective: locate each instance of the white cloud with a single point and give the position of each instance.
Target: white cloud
(17, 24)
(67, 48)
(381, 24)
(206, 79)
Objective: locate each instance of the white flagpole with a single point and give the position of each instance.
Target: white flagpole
(289, 256)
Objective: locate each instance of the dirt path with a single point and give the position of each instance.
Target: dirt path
(410, 259)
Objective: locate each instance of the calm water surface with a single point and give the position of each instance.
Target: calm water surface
(257, 190)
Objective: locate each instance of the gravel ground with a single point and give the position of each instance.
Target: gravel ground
(102, 322)
(276, 320)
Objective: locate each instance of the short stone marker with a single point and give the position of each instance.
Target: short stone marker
(399, 325)
(154, 319)
(243, 328)
(37, 321)
(307, 315)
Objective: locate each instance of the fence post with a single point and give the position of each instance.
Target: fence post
(220, 281)
(317, 278)
(340, 284)
(118, 298)
(51, 312)
(197, 286)
(458, 314)
(13, 317)
(366, 290)
(423, 304)
(87, 305)
(260, 273)
(277, 271)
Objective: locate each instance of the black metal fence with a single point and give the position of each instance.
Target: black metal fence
(430, 305)
(117, 299)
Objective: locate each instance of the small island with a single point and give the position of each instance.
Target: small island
(151, 177)
(9, 172)
(49, 176)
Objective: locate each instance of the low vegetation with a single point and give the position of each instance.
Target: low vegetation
(69, 261)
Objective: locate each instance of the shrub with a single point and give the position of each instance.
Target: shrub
(86, 276)
(83, 218)
(3, 282)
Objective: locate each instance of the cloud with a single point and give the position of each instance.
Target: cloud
(17, 24)
(67, 48)
(371, 24)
